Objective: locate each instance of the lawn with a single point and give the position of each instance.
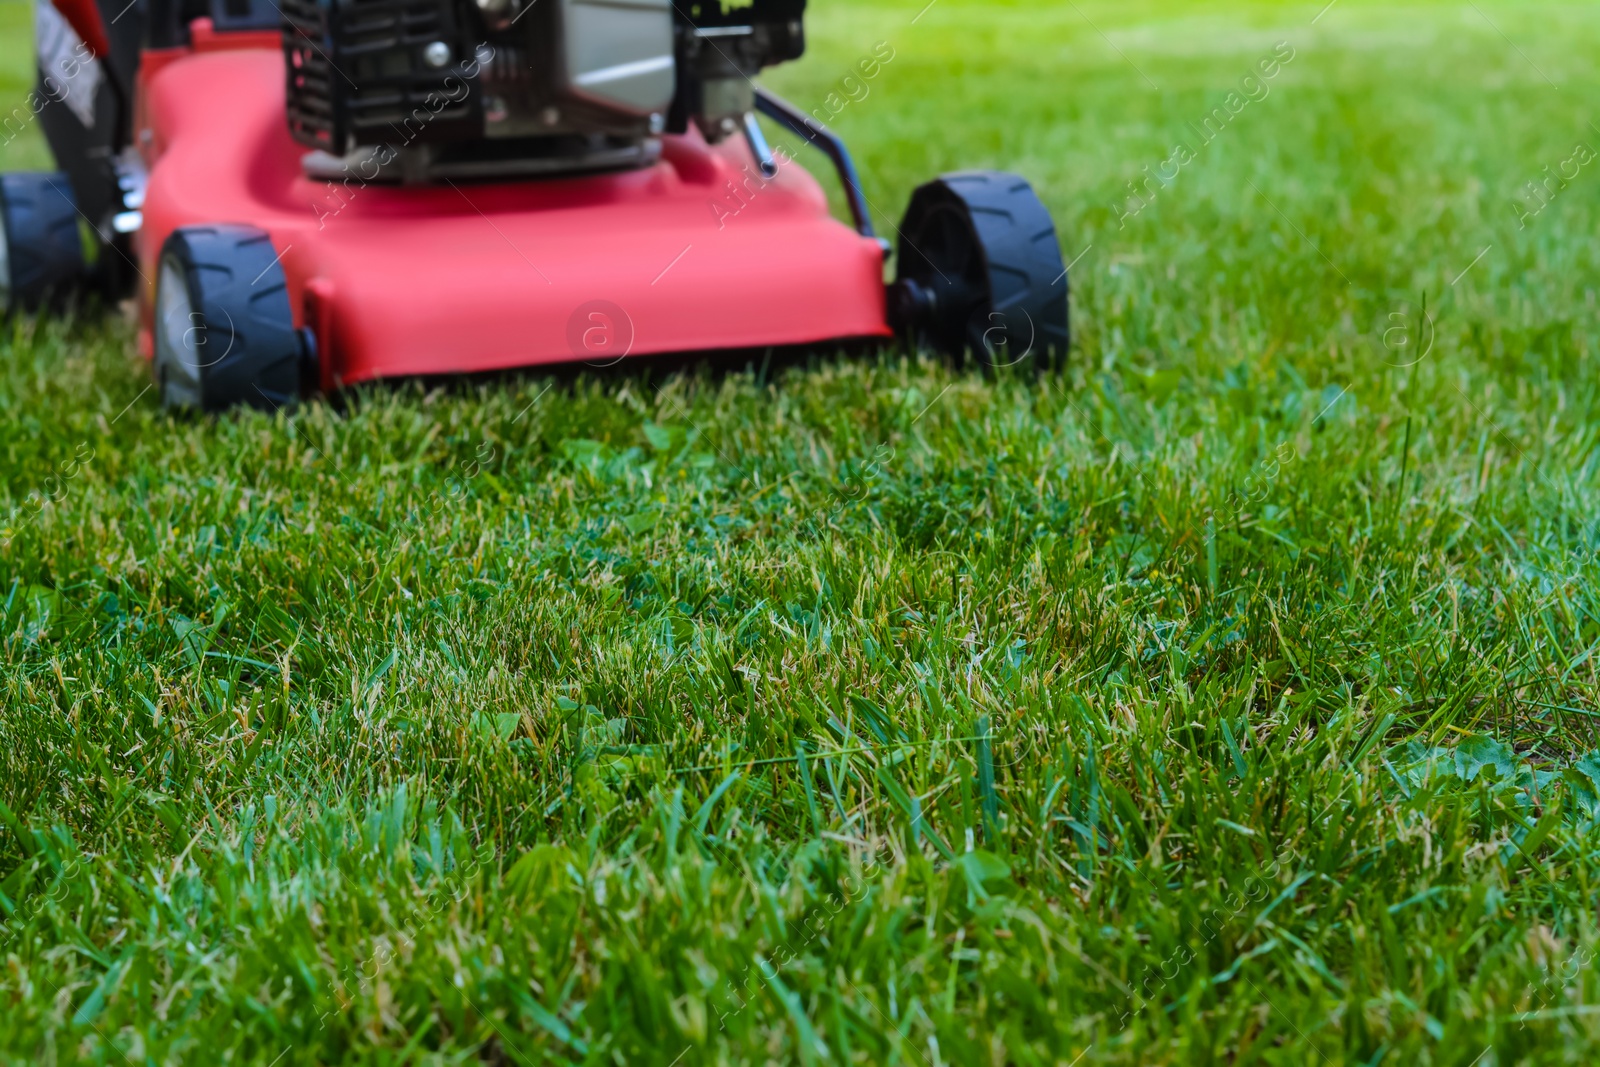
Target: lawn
(1228, 697)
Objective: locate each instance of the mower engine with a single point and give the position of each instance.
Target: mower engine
(422, 90)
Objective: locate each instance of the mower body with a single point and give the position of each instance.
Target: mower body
(695, 252)
(306, 195)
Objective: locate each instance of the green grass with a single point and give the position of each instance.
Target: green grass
(1228, 698)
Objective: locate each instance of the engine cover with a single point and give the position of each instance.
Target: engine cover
(410, 73)
(430, 89)
(619, 54)
(369, 72)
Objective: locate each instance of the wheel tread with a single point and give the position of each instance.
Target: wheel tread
(237, 287)
(1027, 283)
(45, 244)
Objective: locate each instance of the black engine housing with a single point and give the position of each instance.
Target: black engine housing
(489, 86)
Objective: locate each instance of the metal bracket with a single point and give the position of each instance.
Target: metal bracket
(793, 119)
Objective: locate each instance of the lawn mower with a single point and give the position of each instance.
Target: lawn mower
(307, 194)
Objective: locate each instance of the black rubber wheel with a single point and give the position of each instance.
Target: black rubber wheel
(224, 333)
(47, 248)
(980, 272)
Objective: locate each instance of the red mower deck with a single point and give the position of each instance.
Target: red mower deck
(695, 253)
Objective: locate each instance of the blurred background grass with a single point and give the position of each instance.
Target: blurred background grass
(26, 149)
